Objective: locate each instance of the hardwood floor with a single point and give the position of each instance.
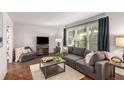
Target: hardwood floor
(21, 71)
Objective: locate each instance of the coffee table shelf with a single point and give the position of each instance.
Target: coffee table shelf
(52, 68)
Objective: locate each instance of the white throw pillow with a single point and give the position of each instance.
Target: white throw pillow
(26, 51)
(88, 57)
(18, 53)
(65, 50)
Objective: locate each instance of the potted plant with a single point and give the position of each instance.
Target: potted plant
(58, 57)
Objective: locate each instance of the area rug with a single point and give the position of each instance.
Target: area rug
(69, 74)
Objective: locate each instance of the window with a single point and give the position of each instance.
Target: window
(93, 37)
(85, 36)
(81, 38)
(71, 35)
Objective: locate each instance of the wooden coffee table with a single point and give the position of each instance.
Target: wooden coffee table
(52, 68)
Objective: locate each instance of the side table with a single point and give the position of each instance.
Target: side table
(113, 65)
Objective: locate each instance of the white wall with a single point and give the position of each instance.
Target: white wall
(3, 62)
(116, 21)
(25, 35)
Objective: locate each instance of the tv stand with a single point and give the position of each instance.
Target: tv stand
(42, 49)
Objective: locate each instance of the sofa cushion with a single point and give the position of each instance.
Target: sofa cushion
(79, 51)
(81, 63)
(70, 50)
(72, 57)
(27, 56)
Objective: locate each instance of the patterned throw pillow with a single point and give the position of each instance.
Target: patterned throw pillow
(18, 53)
(88, 57)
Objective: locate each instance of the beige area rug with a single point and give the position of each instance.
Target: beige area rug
(69, 74)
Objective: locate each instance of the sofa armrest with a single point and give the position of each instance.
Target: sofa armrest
(102, 69)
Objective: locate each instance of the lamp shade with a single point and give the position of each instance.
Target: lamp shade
(58, 40)
(120, 41)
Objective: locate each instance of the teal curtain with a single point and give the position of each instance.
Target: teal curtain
(64, 38)
(103, 34)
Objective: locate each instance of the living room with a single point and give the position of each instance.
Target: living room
(61, 46)
(59, 31)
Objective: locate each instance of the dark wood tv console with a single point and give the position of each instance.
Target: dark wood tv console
(42, 49)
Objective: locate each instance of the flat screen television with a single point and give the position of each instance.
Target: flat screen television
(42, 40)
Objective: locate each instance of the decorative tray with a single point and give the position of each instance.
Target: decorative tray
(47, 59)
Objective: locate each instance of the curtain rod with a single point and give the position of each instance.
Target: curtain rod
(82, 24)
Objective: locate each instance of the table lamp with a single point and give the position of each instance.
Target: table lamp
(58, 48)
(120, 43)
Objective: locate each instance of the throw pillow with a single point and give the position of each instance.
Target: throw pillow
(28, 50)
(18, 53)
(108, 55)
(98, 56)
(65, 50)
(89, 57)
(25, 51)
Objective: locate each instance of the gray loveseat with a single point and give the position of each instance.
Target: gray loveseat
(75, 58)
(27, 56)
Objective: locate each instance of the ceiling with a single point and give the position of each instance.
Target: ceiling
(49, 18)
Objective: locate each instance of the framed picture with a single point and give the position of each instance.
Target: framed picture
(1, 30)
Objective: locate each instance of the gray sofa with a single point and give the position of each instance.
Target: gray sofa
(27, 56)
(75, 58)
